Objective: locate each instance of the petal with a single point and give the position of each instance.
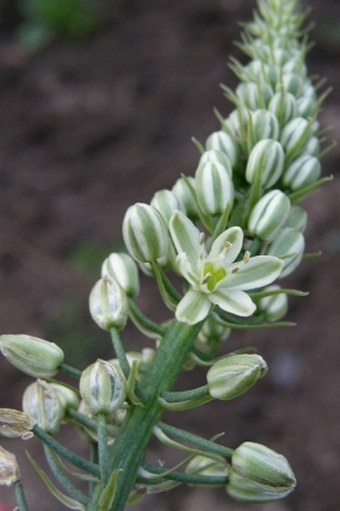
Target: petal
(186, 270)
(259, 271)
(232, 236)
(185, 236)
(235, 301)
(193, 308)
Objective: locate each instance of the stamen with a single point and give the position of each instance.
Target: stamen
(206, 278)
(201, 238)
(235, 270)
(246, 256)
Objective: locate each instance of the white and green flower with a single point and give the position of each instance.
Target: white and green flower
(216, 278)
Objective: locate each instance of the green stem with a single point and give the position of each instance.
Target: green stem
(65, 453)
(186, 395)
(181, 477)
(20, 496)
(87, 422)
(120, 352)
(134, 436)
(103, 450)
(145, 324)
(70, 371)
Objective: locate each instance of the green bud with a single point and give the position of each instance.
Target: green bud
(295, 135)
(269, 215)
(274, 307)
(32, 355)
(263, 124)
(306, 107)
(145, 234)
(234, 375)
(122, 268)
(102, 387)
(297, 218)
(284, 106)
(302, 172)
(13, 423)
(237, 121)
(142, 360)
(214, 188)
(108, 304)
(223, 142)
(213, 330)
(214, 156)
(204, 466)
(166, 203)
(9, 468)
(288, 246)
(67, 396)
(267, 160)
(312, 147)
(292, 83)
(43, 406)
(183, 190)
(259, 474)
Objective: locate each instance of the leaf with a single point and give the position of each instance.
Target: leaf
(108, 493)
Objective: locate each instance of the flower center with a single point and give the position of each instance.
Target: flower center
(212, 276)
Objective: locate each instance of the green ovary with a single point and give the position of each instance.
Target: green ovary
(212, 276)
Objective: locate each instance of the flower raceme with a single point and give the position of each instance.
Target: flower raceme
(217, 277)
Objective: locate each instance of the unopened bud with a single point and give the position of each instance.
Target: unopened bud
(122, 268)
(263, 124)
(145, 234)
(214, 188)
(9, 469)
(283, 105)
(32, 355)
(248, 94)
(102, 387)
(223, 142)
(259, 474)
(275, 306)
(213, 330)
(265, 160)
(302, 172)
(183, 190)
(297, 218)
(312, 147)
(108, 304)
(295, 135)
(166, 203)
(288, 246)
(292, 83)
(67, 396)
(269, 215)
(43, 406)
(234, 375)
(306, 107)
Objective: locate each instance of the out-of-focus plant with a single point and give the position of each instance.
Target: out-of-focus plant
(231, 232)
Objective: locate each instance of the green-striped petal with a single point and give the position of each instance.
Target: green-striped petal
(234, 301)
(257, 272)
(193, 308)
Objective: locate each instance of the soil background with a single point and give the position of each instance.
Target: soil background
(88, 127)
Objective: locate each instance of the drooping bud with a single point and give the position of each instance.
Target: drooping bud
(102, 387)
(275, 306)
(259, 474)
(288, 246)
(9, 468)
(223, 142)
(43, 406)
(204, 466)
(108, 304)
(269, 215)
(32, 355)
(145, 234)
(214, 188)
(234, 375)
(14, 423)
(183, 190)
(166, 203)
(122, 268)
(265, 160)
(302, 172)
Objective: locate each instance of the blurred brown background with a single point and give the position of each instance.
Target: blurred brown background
(89, 125)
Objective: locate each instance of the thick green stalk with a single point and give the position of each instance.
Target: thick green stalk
(131, 443)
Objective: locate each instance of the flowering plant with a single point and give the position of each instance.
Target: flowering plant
(229, 233)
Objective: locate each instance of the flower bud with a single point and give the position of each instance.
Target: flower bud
(166, 203)
(204, 466)
(275, 306)
(297, 218)
(43, 406)
(283, 105)
(145, 234)
(213, 330)
(234, 375)
(185, 195)
(269, 215)
(248, 94)
(214, 188)
(102, 387)
(237, 120)
(13, 423)
(214, 156)
(306, 107)
(265, 160)
(108, 304)
(264, 124)
(9, 469)
(32, 355)
(312, 147)
(223, 142)
(295, 135)
(288, 246)
(292, 83)
(122, 268)
(302, 172)
(259, 474)
(67, 396)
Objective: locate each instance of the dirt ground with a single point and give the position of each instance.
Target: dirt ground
(88, 127)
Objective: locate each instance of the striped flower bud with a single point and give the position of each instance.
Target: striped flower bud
(43, 406)
(312, 147)
(284, 106)
(145, 234)
(292, 83)
(238, 120)
(9, 468)
(32, 355)
(259, 474)
(214, 156)
(214, 188)
(234, 375)
(102, 387)
(295, 135)
(183, 190)
(302, 172)
(306, 107)
(265, 160)
(275, 306)
(122, 268)
(222, 141)
(67, 396)
(108, 304)
(288, 246)
(263, 124)
(13, 423)
(166, 203)
(269, 215)
(248, 94)
(297, 218)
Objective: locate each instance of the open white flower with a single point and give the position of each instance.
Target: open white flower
(215, 278)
